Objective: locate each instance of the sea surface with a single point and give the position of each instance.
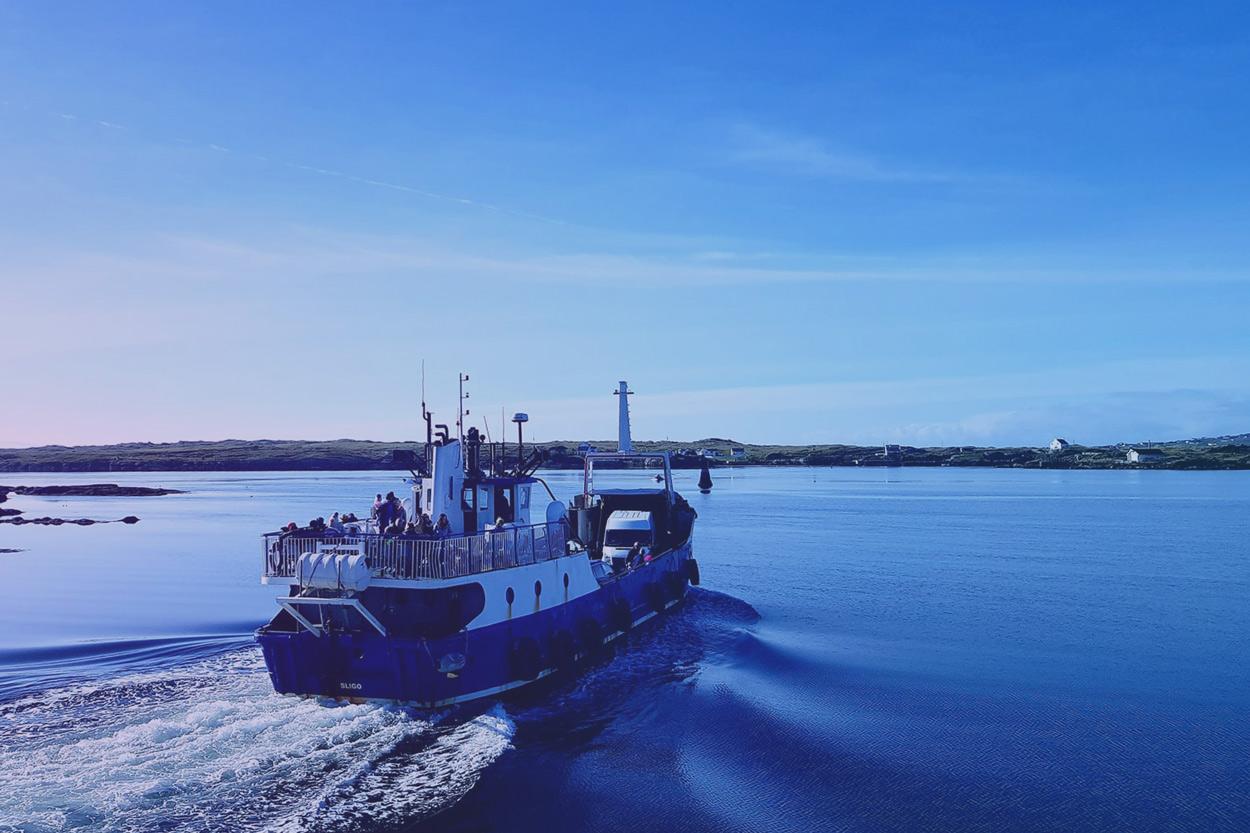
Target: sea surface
(871, 650)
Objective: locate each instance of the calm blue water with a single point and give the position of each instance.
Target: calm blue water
(885, 650)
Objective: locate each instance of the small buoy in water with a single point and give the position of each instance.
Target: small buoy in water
(705, 480)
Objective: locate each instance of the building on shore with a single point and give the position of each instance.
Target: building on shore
(1059, 444)
(1144, 455)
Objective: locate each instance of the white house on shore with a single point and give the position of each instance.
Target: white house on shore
(1059, 444)
(1144, 455)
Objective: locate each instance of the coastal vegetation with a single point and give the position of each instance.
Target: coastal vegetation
(360, 455)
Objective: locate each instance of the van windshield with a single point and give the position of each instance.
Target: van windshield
(626, 537)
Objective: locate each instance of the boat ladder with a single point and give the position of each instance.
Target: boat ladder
(288, 604)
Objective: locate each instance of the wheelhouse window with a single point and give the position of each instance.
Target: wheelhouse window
(504, 503)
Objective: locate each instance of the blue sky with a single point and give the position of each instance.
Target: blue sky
(922, 223)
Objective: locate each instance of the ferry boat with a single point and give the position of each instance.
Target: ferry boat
(515, 588)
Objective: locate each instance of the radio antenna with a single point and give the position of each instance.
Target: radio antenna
(428, 418)
(462, 410)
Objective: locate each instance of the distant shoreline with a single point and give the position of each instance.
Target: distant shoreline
(362, 455)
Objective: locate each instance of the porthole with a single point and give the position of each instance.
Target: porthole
(566, 581)
(510, 596)
(538, 588)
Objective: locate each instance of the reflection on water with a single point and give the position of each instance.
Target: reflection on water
(872, 650)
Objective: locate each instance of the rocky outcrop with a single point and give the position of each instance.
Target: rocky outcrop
(90, 490)
(14, 516)
(129, 519)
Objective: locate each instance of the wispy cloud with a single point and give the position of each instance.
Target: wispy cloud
(289, 256)
(387, 183)
(802, 155)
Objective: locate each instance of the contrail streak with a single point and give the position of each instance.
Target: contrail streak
(328, 172)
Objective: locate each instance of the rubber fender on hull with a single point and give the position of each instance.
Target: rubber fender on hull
(692, 571)
(525, 659)
(621, 616)
(654, 595)
(562, 649)
(590, 633)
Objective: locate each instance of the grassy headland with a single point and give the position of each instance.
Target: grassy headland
(361, 455)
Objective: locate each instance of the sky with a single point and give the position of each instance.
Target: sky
(934, 224)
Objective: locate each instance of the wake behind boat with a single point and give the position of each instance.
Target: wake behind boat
(511, 587)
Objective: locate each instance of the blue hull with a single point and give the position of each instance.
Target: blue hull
(363, 664)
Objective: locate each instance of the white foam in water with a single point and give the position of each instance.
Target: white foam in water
(209, 747)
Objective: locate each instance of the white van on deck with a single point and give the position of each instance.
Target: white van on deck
(624, 529)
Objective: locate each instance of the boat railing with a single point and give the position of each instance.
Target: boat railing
(402, 557)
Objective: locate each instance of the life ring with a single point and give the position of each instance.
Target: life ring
(525, 658)
(692, 571)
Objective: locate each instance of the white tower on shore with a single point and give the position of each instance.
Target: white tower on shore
(624, 443)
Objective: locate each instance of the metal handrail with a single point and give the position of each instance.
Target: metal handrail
(401, 557)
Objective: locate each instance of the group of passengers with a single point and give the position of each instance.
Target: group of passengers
(345, 523)
(391, 518)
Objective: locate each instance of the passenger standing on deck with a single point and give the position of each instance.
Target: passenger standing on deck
(427, 525)
(386, 512)
(443, 528)
(336, 523)
(375, 514)
(634, 558)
